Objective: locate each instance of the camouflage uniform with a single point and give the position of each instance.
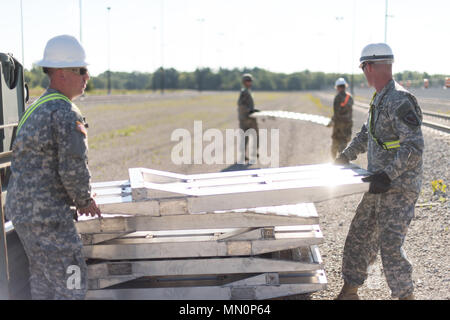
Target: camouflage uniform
(381, 220)
(245, 106)
(49, 174)
(342, 122)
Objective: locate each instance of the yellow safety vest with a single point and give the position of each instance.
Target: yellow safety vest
(35, 105)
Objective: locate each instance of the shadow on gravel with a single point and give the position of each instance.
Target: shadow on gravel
(238, 167)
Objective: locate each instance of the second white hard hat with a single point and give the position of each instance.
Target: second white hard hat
(63, 51)
(377, 52)
(340, 82)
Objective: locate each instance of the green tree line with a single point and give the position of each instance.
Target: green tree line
(226, 79)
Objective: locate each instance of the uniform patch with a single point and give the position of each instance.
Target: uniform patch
(411, 119)
(80, 127)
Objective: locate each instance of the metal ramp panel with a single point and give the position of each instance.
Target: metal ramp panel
(170, 193)
(249, 234)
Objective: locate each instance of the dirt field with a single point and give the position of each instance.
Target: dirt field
(135, 131)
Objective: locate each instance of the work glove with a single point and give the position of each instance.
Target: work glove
(379, 182)
(341, 160)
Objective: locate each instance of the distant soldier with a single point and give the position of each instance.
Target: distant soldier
(392, 137)
(49, 174)
(342, 118)
(246, 107)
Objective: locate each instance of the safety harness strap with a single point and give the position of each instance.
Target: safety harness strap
(387, 145)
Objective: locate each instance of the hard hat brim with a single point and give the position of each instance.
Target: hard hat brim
(61, 64)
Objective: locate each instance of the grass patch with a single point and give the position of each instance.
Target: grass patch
(318, 103)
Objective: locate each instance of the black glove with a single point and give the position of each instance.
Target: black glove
(253, 111)
(341, 160)
(379, 182)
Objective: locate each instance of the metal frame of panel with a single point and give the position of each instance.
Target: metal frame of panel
(254, 288)
(298, 214)
(206, 246)
(272, 114)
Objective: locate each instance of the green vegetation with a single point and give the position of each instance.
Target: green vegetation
(225, 79)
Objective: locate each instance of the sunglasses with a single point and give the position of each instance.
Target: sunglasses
(80, 71)
(364, 65)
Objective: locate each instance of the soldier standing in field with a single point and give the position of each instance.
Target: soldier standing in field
(246, 107)
(392, 137)
(342, 118)
(49, 174)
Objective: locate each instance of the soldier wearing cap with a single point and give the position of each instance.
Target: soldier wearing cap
(246, 107)
(342, 118)
(50, 176)
(393, 140)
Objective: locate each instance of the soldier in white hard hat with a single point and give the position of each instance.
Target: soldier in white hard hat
(342, 118)
(246, 107)
(392, 137)
(50, 176)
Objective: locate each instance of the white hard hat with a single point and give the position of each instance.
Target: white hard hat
(377, 52)
(63, 52)
(340, 82)
(247, 77)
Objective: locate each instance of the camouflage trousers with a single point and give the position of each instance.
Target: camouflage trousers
(58, 270)
(380, 224)
(246, 124)
(342, 133)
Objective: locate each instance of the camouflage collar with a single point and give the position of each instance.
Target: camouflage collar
(50, 91)
(379, 97)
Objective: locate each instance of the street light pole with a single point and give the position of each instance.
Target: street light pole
(162, 48)
(385, 22)
(21, 27)
(339, 44)
(81, 29)
(200, 79)
(109, 47)
(353, 49)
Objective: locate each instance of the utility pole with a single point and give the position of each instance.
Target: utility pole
(353, 49)
(81, 29)
(386, 16)
(200, 63)
(162, 48)
(109, 48)
(385, 22)
(338, 19)
(21, 27)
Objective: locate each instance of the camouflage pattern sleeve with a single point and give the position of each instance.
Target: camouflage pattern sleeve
(336, 103)
(71, 138)
(406, 120)
(246, 100)
(358, 144)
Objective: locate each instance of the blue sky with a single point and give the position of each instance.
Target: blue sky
(282, 35)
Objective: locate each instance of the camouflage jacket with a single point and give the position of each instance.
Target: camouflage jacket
(49, 169)
(342, 107)
(396, 118)
(245, 104)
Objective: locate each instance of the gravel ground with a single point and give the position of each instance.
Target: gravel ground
(138, 135)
